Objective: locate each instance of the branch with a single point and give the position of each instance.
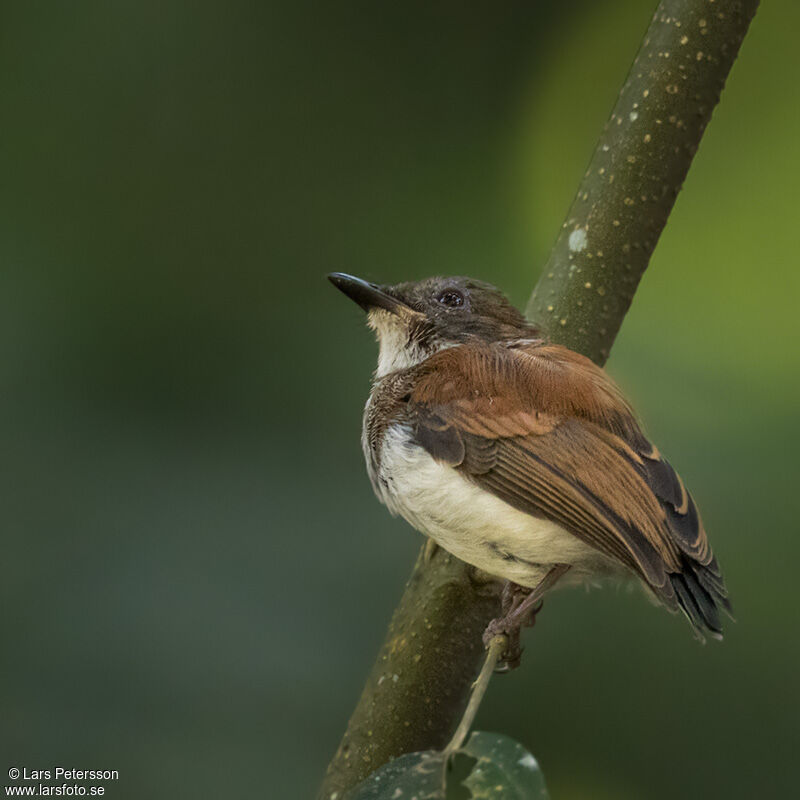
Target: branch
(636, 171)
(419, 686)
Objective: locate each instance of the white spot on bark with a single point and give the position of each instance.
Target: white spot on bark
(528, 761)
(633, 116)
(577, 240)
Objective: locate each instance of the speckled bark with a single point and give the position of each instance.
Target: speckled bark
(637, 170)
(419, 685)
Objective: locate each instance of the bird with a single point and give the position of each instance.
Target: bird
(522, 457)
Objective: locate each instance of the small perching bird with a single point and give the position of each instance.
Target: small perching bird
(522, 457)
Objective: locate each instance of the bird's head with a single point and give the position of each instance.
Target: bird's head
(414, 320)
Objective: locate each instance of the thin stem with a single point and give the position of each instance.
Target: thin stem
(497, 647)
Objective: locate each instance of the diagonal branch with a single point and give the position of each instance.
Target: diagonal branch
(636, 172)
(419, 685)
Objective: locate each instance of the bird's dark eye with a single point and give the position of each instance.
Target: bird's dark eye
(450, 297)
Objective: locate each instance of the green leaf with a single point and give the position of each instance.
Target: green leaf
(505, 769)
(414, 776)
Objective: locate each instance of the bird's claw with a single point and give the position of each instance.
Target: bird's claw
(510, 626)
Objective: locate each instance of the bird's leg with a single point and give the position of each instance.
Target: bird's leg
(512, 596)
(520, 609)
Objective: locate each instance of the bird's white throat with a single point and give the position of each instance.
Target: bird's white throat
(396, 350)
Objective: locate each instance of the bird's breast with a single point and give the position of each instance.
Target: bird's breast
(468, 521)
(385, 409)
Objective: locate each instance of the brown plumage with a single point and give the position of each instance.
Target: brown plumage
(547, 431)
(535, 425)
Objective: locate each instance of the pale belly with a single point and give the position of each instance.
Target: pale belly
(473, 524)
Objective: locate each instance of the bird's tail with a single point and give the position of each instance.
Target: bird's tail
(701, 594)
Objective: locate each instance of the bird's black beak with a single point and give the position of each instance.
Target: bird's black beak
(367, 295)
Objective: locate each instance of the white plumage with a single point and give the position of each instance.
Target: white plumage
(472, 523)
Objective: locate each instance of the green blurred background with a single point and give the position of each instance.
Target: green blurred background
(196, 575)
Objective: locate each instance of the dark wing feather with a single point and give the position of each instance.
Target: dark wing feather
(546, 430)
(573, 477)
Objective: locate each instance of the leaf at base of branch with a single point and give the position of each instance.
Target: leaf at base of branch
(503, 770)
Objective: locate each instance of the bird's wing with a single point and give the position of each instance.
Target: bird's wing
(547, 431)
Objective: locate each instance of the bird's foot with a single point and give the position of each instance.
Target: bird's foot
(520, 607)
(512, 597)
(511, 623)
